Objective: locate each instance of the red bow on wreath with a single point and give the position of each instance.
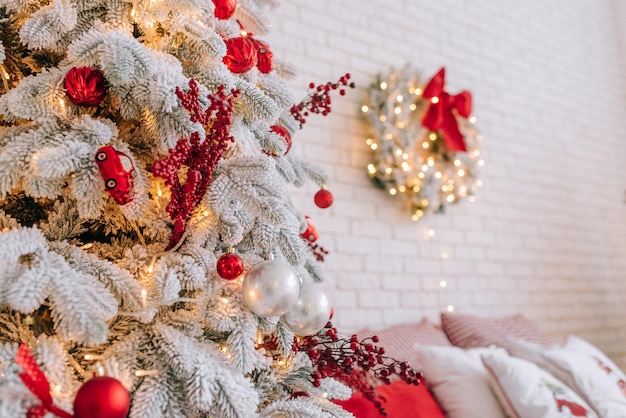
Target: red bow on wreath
(36, 381)
(440, 115)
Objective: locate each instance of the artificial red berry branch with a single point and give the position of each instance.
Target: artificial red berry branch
(352, 361)
(318, 251)
(318, 101)
(200, 157)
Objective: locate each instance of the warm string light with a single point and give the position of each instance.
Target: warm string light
(144, 373)
(412, 162)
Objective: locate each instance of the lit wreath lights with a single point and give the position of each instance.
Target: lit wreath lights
(425, 143)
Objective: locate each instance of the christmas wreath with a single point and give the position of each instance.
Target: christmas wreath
(425, 142)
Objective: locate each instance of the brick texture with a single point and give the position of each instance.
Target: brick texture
(547, 235)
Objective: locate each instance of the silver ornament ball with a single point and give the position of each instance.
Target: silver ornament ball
(270, 288)
(310, 313)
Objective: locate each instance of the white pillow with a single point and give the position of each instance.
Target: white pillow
(534, 353)
(578, 344)
(526, 391)
(590, 376)
(583, 367)
(459, 381)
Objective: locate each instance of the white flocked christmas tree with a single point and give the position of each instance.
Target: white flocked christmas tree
(122, 183)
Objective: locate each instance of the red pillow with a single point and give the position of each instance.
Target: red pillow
(403, 401)
(468, 331)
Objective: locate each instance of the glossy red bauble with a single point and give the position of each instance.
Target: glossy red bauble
(85, 86)
(284, 133)
(241, 55)
(323, 199)
(224, 9)
(101, 397)
(229, 266)
(265, 57)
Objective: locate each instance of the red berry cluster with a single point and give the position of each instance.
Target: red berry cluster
(353, 362)
(318, 101)
(199, 156)
(318, 251)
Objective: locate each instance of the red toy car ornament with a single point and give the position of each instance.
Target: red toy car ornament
(118, 172)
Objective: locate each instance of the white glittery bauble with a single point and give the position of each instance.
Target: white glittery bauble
(310, 313)
(270, 288)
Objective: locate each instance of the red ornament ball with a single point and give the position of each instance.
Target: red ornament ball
(224, 9)
(102, 397)
(241, 54)
(323, 199)
(229, 266)
(265, 57)
(85, 86)
(283, 132)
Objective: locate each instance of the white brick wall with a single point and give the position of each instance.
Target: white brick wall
(547, 236)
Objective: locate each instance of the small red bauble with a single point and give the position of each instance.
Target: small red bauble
(310, 233)
(85, 86)
(102, 397)
(265, 58)
(229, 266)
(224, 9)
(118, 172)
(323, 199)
(241, 54)
(283, 132)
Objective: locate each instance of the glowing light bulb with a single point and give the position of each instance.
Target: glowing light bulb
(430, 233)
(364, 108)
(425, 167)
(383, 118)
(475, 153)
(451, 198)
(461, 172)
(371, 169)
(421, 174)
(399, 98)
(243, 33)
(388, 170)
(418, 92)
(374, 146)
(443, 283)
(432, 136)
(481, 163)
(224, 301)
(434, 100)
(397, 110)
(144, 298)
(383, 85)
(402, 188)
(450, 308)
(398, 152)
(412, 106)
(472, 199)
(389, 136)
(425, 145)
(415, 217)
(431, 161)
(392, 191)
(457, 163)
(369, 141)
(405, 156)
(472, 119)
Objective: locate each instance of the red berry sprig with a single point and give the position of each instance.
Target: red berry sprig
(353, 361)
(199, 156)
(318, 101)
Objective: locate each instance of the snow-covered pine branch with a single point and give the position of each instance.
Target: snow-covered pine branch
(30, 274)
